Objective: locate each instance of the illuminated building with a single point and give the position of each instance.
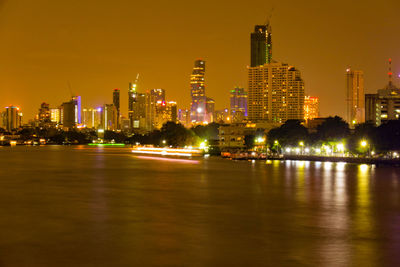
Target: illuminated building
(44, 113)
(109, 117)
(139, 112)
(116, 102)
(132, 94)
(385, 104)
(261, 45)
(12, 118)
(55, 115)
(199, 99)
(78, 109)
(276, 93)
(238, 97)
(68, 116)
(184, 117)
(159, 95)
(91, 117)
(355, 97)
(165, 112)
(222, 116)
(311, 107)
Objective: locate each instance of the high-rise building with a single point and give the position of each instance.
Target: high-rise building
(238, 97)
(116, 102)
(311, 107)
(78, 109)
(210, 109)
(44, 113)
(261, 45)
(355, 97)
(55, 115)
(199, 99)
(109, 117)
(159, 94)
(276, 93)
(165, 112)
(222, 116)
(12, 118)
(91, 117)
(139, 112)
(68, 116)
(132, 93)
(385, 104)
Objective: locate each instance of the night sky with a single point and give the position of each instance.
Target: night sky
(100, 45)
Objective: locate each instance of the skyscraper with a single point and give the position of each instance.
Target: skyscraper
(159, 94)
(198, 106)
(68, 114)
(276, 93)
(132, 93)
(238, 97)
(78, 109)
(44, 113)
(116, 99)
(355, 97)
(261, 45)
(109, 117)
(311, 107)
(12, 118)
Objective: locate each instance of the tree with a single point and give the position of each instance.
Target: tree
(175, 134)
(334, 129)
(289, 134)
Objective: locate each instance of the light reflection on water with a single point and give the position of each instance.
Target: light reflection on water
(107, 207)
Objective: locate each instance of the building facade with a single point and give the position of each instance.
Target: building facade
(275, 94)
(116, 102)
(311, 107)
(199, 99)
(12, 118)
(238, 101)
(355, 101)
(261, 45)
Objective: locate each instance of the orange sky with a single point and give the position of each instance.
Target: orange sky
(100, 45)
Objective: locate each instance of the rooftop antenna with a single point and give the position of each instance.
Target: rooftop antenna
(269, 16)
(390, 73)
(69, 87)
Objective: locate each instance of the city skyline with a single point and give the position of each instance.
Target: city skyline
(40, 59)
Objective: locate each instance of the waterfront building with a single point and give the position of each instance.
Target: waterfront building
(55, 115)
(77, 100)
(199, 99)
(44, 113)
(91, 117)
(355, 101)
(238, 100)
(261, 45)
(385, 104)
(276, 93)
(311, 107)
(165, 112)
(132, 99)
(68, 117)
(210, 110)
(12, 118)
(116, 102)
(109, 117)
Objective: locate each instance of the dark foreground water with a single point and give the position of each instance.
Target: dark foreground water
(81, 206)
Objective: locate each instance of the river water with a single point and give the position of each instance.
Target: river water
(88, 206)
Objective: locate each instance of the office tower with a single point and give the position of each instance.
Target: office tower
(91, 117)
(261, 45)
(109, 117)
(159, 94)
(78, 109)
(165, 112)
(12, 118)
(139, 112)
(55, 115)
(44, 115)
(385, 104)
(210, 109)
(150, 109)
(198, 105)
(68, 117)
(238, 97)
(355, 97)
(116, 102)
(276, 93)
(132, 93)
(311, 107)
(184, 117)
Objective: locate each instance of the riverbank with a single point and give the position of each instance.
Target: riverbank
(375, 161)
